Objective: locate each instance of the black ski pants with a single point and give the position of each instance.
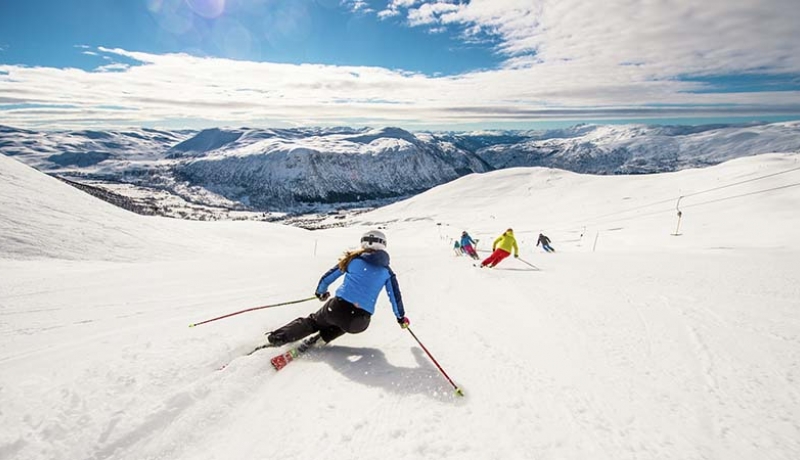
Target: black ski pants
(335, 318)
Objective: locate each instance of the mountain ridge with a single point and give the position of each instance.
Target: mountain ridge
(301, 170)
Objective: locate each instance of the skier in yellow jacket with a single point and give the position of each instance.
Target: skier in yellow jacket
(501, 248)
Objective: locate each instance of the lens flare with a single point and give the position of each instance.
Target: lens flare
(207, 8)
(154, 6)
(171, 15)
(233, 39)
(288, 23)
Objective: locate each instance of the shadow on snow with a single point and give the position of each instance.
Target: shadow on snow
(369, 366)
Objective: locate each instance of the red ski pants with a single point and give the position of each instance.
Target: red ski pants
(494, 259)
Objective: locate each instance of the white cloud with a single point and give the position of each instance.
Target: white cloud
(115, 67)
(183, 87)
(567, 59)
(388, 13)
(403, 3)
(394, 6)
(669, 37)
(562, 58)
(430, 13)
(357, 6)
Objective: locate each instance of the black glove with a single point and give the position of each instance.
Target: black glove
(323, 296)
(404, 322)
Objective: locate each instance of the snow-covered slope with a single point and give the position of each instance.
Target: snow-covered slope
(626, 343)
(730, 205)
(43, 217)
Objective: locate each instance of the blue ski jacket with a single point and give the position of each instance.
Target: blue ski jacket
(467, 240)
(366, 275)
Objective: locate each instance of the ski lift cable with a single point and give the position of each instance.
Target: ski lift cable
(670, 200)
(743, 195)
(703, 203)
(741, 182)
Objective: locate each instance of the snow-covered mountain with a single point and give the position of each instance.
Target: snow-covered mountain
(255, 169)
(86, 151)
(631, 149)
(266, 169)
(218, 172)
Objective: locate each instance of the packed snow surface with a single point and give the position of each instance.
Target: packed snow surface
(627, 343)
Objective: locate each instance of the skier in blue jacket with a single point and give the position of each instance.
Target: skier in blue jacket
(468, 245)
(366, 271)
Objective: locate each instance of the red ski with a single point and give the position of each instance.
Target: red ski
(280, 361)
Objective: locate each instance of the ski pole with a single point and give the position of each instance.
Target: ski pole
(458, 390)
(528, 264)
(253, 309)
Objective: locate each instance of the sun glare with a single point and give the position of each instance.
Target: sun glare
(207, 8)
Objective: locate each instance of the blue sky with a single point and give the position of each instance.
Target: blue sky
(419, 64)
(290, 31)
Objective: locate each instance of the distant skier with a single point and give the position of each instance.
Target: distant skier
(457, 248)
(545, 241)
(501, 248)
(468, 245)
(366, 271)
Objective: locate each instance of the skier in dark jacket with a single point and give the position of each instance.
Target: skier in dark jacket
(545, 241)
(366, 271)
